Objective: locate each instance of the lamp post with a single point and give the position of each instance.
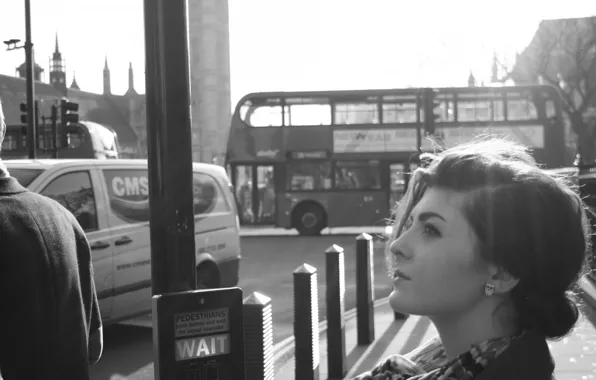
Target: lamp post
(28, 46)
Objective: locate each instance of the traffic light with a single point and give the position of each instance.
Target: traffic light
(68, 116)
(25, 109)
(68, 113)
(430, 116)
(24, 113)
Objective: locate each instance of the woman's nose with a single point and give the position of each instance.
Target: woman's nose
(399, 248)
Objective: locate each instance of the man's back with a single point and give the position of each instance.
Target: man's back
(48, 301)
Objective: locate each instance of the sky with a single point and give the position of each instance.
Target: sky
(296, 44)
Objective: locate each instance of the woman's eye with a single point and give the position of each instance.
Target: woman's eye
(431, 230)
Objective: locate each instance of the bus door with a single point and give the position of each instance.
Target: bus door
(399, 177)
(255, 193)
(397, 183)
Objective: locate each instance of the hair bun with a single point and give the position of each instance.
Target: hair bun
(552, 316)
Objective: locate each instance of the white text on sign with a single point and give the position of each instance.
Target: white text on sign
(202, 322)
(202, 347)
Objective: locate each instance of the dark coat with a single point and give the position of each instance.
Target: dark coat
(48, 305)
(526, 358)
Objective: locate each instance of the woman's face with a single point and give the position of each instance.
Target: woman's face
(437, 254)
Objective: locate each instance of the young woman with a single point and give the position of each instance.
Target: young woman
(490, 248)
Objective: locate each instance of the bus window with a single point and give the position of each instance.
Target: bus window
(356, 113)
(521, 109)
(262, 115)
(308, 176)
(399, 113)
(551, 111)
(75, 139)
(357, 175)
(498, 110)
(473, 110)
(307, 111)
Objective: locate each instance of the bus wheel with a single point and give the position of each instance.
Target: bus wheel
(208, 276)
(309, 219)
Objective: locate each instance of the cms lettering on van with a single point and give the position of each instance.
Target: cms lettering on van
(130, 186)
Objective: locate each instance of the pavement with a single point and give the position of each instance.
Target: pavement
(276, 231)
(575, 355)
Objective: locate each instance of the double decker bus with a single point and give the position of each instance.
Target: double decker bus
(85, 139)
(310, 160)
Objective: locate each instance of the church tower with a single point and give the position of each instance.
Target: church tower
(131, 82)
(107, 87)
(58, 70)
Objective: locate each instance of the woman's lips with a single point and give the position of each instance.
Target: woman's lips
(397, 274)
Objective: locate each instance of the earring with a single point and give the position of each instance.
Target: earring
(489, 289)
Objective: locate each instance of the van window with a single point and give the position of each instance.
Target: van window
(25, 176)
(207, 195)
(75, 192)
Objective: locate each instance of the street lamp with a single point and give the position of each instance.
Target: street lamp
(28, 46)
(12, 44)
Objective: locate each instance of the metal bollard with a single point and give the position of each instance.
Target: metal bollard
(306, 323)
(258, 337)
(365, 289)
(335, 298)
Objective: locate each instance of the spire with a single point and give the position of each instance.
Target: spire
(471, 80)
(57, 56)
(74, 84)
(131, 83)
(107, 87)
(494, 78)
(58, 70)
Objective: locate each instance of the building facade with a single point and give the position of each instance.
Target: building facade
(125, 114)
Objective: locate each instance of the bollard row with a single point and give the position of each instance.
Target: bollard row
(365, 289)
(306, 323)
(258, 337)
(335, 295)
(258, 321)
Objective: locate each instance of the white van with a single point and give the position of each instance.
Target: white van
(110, 200)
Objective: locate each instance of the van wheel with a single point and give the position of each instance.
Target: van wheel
(208, 276)
(309, 219)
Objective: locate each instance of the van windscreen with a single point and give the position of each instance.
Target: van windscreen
(25, 176)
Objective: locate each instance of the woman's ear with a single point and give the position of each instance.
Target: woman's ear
(502, 280)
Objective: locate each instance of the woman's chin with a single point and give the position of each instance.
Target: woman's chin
(397, 302)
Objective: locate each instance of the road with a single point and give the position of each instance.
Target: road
(267, 267)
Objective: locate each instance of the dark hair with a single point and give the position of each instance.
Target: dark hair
(528, 222)
(2, 125)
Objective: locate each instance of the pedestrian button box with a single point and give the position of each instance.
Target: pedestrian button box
(199, 334)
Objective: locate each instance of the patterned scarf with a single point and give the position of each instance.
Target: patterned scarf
(429, 362)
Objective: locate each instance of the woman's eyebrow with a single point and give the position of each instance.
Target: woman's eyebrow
(424, 216)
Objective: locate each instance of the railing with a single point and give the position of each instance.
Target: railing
(258, 323)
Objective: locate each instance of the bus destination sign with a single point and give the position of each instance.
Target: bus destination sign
(309, 154)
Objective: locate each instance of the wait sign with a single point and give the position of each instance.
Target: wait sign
(202, 347)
